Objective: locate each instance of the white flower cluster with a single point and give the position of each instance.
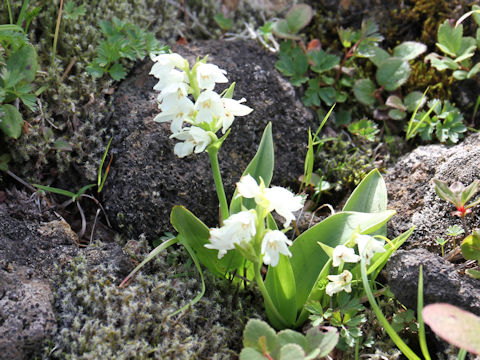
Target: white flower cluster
(241, 228)
(367, 247)
(209, 113)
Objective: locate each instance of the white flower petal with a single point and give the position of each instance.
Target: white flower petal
(341, 253)
(275, 243)
(284, 203)
(369, 246)
(194, 139)
(247, 187)
(237, 229)
(341, 282)
(208, 75)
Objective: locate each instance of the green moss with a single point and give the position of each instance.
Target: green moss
(97, 320)
(343, 163)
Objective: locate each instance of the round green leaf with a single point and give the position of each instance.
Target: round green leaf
(363, 91)
(298, 17)
(24, 61)
(393, 73)
(291, 351)
(259, 335)
(471, 247)
(412, 100)
(11, 121)
(396, 114)
(409, 50)
(280, 28)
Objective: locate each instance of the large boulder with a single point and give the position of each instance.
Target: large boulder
(412, 194)
(147, 179)
(33, 246)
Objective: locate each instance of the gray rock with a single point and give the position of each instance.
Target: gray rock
(441, 281)
(147, 179)
(411, 191)
(26, 313)
(30, 253)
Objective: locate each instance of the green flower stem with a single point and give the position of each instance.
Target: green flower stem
(217, 177)
(386, 325)
(266, 296)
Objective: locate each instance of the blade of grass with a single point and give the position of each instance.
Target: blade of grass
(383, 321)
(421, 326)
(199, 268)
(462, 353)
(56, 191)
(100, 169)
(57, 30)
(23, 10)
(149, 257)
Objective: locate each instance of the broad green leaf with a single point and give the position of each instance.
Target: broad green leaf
(251, 354)
(467, 50)
(409, 50)
(460, 74)
(261, 166)
(117, 72)
(254, 331)
(396, 114)
(322, 339)
(196, 234)
(24, 60)
(322, 61)
(327, 94)
(449, 38)
(393, 73)
(291, 351)
(444, 192)
(473, 71)
(62, 145)
(471, 247)
(11, 121)
(281, 29)
(475, 274)
(442, 63)
(280, 283)
(378, 55)
(470, 191)
(364, 91)
(370, 196)
(298, 17)
(454, 325)
(395, 102)
(335, 230)
(291, 337)
(414, 99)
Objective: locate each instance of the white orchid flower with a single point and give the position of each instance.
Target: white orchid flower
(339, 283)
(210, 107)
(238, 228)
(194, 139)
(164, 63)
(276, 198)
(369, 246)
(233, 108)
(173, 81)
(275, 243)
(284, 202)
(341, 254)
(208, 75)
(176, 110)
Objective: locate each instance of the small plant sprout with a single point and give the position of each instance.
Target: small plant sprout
(442, 242)
(458, 195)
(471, 251)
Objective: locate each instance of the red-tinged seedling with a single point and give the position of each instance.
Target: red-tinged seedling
(458, 195)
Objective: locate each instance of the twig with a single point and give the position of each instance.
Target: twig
(93, 227)
(69, 67)
(191, 16)
(84, 221)
(23, 182)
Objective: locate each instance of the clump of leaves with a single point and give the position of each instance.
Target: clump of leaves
(392, 72)
(458, 50)
(123, 41)
(261, 342)
(445, 121)
(348, 318)
(364, 128)
(18, 67)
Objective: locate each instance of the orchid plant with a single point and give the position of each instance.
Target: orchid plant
(248, 238)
